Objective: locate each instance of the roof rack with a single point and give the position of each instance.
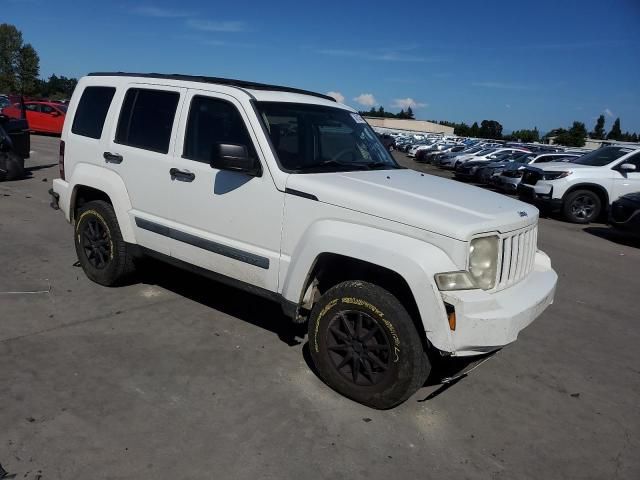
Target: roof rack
(221, 81)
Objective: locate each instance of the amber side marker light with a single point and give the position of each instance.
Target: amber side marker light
(451, 315)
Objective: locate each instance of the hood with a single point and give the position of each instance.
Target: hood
(419, 200)
(633, 197)
(560, 166)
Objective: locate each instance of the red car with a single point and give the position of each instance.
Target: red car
(44, 117)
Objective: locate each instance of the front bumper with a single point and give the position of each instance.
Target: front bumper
(539, 195)
(488, 321)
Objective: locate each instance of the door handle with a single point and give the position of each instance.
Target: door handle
(112, 157)
(182, 175)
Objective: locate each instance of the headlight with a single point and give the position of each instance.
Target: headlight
(454, 281)
(554, 175)
(483, 261)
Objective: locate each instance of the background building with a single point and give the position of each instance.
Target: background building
(409, 125)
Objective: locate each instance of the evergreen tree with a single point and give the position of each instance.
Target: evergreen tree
(598, 130)
(615, 133)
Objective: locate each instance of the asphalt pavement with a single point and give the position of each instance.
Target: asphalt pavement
(180, 377)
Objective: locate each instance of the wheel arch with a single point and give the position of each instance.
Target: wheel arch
(599, 190)
(95, 183)
(406, 265)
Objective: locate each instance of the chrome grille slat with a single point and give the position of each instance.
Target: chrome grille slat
(518, 256)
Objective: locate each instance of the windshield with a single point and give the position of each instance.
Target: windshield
(314, 138)
(486, 151)
(61, 107)
(602, 156)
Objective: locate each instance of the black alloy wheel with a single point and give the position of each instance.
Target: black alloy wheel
(359, 348)
(95, 243)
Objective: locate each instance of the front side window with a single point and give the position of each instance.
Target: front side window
(313, 138)
(92, 111)
(212, 121)
(146, 119)
(32, 107)
(602, 156)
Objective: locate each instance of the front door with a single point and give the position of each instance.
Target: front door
(225, 221)
(627, 181)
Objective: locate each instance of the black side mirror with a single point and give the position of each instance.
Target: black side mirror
(235, 158)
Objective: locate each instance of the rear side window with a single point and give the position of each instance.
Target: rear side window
(92, 111)
(146, 119)
(212, 121)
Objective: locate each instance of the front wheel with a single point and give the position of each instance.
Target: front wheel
(365, 345)
(581, 206)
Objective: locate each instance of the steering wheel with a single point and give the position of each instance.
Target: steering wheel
(340, 154)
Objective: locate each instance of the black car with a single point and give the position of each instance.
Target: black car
(15, 144)
(625, 213)
(388, 141)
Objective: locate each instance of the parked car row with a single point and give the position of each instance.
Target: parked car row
(582, 185)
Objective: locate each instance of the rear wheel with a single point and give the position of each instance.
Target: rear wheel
(103, 254)
(581, 206)
(365, 345)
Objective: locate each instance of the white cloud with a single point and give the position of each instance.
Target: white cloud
(366, 99)
(405, 103)
(211, 26)
(376, 55)
(149, 11)
(608, 113)
(504, 86)
(337, 95)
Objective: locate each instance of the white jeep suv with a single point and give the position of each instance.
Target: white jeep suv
(292, 196)
(583, 188)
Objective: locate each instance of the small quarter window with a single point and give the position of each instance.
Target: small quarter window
(92, 111)
(146, 119)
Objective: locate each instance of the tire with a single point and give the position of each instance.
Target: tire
(382, 343)
(581, 206)
(11, 167)
(104, 256)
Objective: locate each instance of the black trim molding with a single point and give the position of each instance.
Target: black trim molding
(224, 250)
(298, 193)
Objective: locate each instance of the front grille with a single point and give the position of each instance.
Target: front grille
(518, 256)
(530, 177)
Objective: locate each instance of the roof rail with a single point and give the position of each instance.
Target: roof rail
(221, 81)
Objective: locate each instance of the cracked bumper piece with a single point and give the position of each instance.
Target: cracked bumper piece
(488, 321)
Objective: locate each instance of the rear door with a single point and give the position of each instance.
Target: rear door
(140, 150)
(34, 117)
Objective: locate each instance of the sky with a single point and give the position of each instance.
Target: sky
(544, 63)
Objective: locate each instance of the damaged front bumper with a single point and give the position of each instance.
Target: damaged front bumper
(488, 321)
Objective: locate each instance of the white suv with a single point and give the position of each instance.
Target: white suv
(291, 195)
(583, 188)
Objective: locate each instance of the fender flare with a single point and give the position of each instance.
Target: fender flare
(113, 186)
(414, 260)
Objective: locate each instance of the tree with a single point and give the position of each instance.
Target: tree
(490, 129)
(598, 130)
(525, 135)
(27, 70)
(574, 137)
(634, 137)
(402, 114)
(410, 113)
(615, 132)
(474, 131)
(10, 44)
